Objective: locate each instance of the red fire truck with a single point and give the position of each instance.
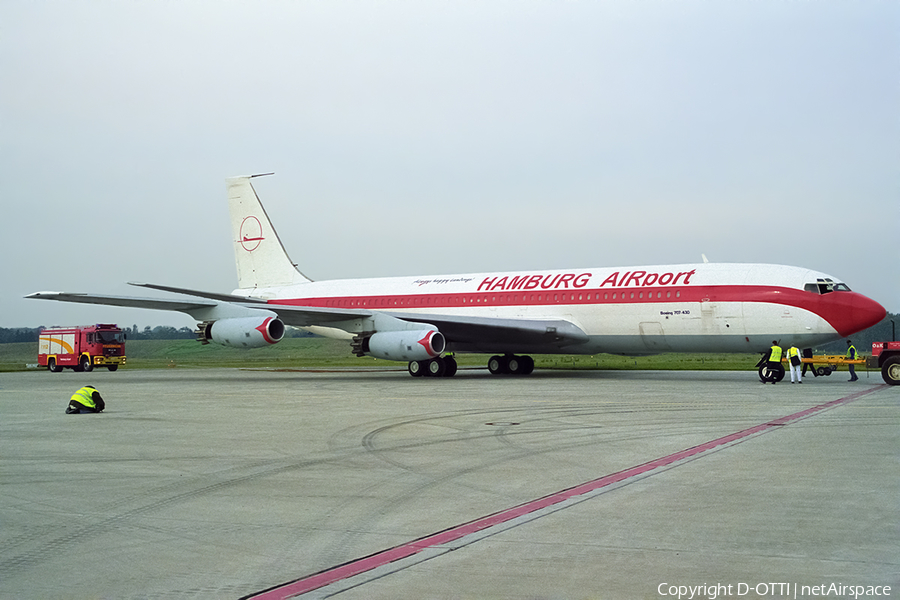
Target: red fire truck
(886, 356)
(82, 348)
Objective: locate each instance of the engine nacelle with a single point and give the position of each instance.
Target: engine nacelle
(243, 332)
(419, 344)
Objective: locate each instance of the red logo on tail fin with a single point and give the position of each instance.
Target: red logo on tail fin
(251, 234)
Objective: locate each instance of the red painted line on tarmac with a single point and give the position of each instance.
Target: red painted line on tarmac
(368, 563)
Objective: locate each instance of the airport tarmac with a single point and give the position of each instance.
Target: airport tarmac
(228, 483)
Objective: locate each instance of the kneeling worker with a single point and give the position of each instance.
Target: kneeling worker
(84, 401)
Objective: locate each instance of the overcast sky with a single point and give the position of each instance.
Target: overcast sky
(414, 138)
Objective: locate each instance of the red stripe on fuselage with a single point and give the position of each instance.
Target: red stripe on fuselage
(847, 312)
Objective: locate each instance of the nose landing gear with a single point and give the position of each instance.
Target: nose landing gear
(772, 374)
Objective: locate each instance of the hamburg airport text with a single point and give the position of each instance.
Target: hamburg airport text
(771, 590)
(580, 280)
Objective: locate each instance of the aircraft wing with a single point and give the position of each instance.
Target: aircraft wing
(296, 316)
(466, 333)
(212, 306)
(473, 334)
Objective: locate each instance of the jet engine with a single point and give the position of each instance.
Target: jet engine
(419, 344)
(243, 332)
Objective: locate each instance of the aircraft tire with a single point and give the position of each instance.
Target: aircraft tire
(515, 365)
(520, 365)
(450, 366)
(415, 368)
(890, 371)
(435, 367)
(498, 365)
(779, 373)
(773, 375)
(528, 366)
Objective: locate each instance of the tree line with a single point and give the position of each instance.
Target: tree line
(882, 332)
(862, 341)
(160, 332)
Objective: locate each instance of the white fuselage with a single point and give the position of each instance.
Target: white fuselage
(706, 307)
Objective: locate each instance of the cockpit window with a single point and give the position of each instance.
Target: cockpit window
(824, 286)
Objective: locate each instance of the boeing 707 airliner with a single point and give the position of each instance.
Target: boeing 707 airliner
(705, 307)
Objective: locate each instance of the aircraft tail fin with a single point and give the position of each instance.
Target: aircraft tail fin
(259, 255)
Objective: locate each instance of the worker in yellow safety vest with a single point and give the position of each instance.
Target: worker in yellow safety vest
(86, 400)
(773, 363)
(852, 354)
(795, 362)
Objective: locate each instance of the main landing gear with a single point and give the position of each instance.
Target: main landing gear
(510, 364)
(439, 366)
(445, 366)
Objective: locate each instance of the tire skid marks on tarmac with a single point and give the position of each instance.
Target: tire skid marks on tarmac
(80, 527)
(417, 480)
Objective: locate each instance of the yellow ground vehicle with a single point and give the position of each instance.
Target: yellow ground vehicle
(828, 363)
(823, 364)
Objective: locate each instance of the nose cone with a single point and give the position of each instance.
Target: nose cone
(852, 312)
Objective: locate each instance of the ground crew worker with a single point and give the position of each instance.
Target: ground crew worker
(852, 354)
(795, 362)
(773, 362)
(807, 353)
(86, 400)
